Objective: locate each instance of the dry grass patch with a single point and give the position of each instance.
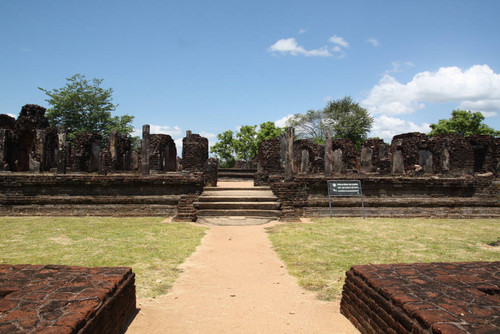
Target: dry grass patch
(153, 249)
(319, 254)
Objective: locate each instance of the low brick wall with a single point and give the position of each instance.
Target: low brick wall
(90, 194)
(423, 298)
(64, 299)
(400, 196)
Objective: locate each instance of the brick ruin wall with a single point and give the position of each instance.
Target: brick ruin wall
(410, 154)
(65, 299)
(423, 298)
(88, 194)
(29, 143)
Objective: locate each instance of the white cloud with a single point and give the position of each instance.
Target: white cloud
(173, 131)
(12, 115)
(302, 31)
(386, 127)
(477, 88)
(399, 66)
(339, 41)
(290, 46)
(374, 42)
(281, 123)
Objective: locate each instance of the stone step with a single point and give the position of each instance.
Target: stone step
(253, 189)
(235, 175)
(237, 205)
(224, 198)
(239, 213)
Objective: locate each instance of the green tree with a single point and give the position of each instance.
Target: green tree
(347, 119)
(224, 149)
(464, 123)
(245, 145)
(268, 130)
(341, 118)
(84, 106)
(311, 124)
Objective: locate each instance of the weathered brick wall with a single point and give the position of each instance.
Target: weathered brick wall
(452, 154)
(194, 152)
(162, 153)
(423, 298)
(65, 299)
(350, 155)
(85, 194)
(485, 153)
(376, 153)
(315, 156)
(391, 197)
(81, 158)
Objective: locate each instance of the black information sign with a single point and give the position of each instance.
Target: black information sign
(337, 188)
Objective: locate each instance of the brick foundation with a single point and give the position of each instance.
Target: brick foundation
(91, 194)
(65, 299)
(423, 298)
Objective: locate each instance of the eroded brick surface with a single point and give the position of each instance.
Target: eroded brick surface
(424, 298)
(64, 299)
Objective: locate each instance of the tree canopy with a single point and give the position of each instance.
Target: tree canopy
(84, 106)
(243, 145)
(342, 118)
(464, 123)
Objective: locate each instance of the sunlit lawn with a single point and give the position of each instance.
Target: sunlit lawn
(153, 249)
(319, 254)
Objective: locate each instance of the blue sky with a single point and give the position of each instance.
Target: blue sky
(209, 66)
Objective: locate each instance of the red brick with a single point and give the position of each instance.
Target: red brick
(74, 320)
(429, 317)
(20, 314)
(55, 330)
(444, 328)
(7, 305)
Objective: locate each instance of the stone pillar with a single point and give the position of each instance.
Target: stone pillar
(290, 134)
(397, 163)
(113, 151)
(95, 151)
(145, 150)
(3, 147)
(366, 160)
(304, 163)
(338, 163)
(62, 150)
(425, 161)
(328, 156)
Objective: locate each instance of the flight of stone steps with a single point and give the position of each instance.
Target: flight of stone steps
(237, 204)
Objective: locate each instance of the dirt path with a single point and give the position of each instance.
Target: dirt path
(235, 283)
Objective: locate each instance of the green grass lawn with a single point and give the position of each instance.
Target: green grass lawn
(319, 254)
(153, 249)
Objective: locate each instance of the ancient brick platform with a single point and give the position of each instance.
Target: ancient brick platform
(65, 299)
(424, 298)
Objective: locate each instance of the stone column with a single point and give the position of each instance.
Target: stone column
(3, 147)
(290, 134)
(366, 160)
(61, 150)
(338, 162)
(113, 149)
(94, 163)
(304, 163)
(397, 166)
(328, 156)
(145, 150)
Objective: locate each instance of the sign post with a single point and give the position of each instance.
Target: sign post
(338, 188)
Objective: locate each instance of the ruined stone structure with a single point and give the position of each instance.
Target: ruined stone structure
(409, 154)
(30, 144)
(423, 298)
(194, 152)
(417, 175)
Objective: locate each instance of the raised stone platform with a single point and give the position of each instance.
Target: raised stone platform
(424, 298)
(65, 299)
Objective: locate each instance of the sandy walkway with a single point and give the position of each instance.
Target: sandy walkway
(235, 283)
